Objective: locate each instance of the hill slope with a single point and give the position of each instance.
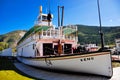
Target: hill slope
(90, 34)
(12, 37)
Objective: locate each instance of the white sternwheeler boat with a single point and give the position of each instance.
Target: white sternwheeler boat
(48, 47)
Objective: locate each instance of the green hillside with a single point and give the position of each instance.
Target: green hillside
(90, 34)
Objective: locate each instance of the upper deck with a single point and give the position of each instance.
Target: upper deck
(44, 29)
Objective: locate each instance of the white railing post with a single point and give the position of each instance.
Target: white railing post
(50, 32)
(42, 32)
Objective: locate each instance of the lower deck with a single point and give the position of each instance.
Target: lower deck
(50, 49)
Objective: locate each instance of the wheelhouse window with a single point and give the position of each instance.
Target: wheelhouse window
(44, 18)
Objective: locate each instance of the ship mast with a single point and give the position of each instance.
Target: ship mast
(100, 31)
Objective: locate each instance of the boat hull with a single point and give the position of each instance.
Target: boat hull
(94, 63)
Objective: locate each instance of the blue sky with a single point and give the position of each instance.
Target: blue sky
(21, 14)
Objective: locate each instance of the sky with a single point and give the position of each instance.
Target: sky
(21, 14)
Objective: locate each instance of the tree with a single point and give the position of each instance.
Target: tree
(1, 48)
(3, 45)
(14, 50)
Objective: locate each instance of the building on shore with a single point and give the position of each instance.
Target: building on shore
(117, 42)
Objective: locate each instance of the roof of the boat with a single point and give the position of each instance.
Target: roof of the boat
(67, 31)
(33, 30)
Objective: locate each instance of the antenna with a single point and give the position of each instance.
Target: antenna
(49, 6)
(101, 33)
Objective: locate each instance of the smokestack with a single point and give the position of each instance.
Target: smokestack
(58, 16)
(62, 15)
(40, 9)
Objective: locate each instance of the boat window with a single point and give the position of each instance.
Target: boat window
(44, 18)
(48, 33)
(52, 32)
(56, 33)
(33, 46)
(44, 33)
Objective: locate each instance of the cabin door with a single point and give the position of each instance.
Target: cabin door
(48, 49)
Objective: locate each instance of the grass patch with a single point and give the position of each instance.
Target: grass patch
(115, 64)
(9, 72)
